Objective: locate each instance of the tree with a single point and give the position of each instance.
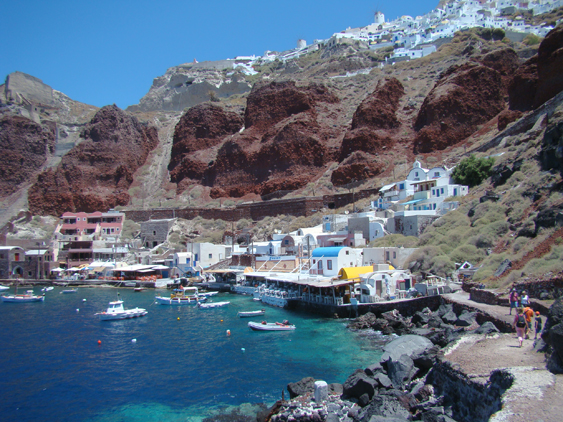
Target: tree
(472, 171)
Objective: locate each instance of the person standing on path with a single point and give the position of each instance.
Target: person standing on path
(538, 324)
(524, 300)
(529, 315)
(513, 298)
(520, 325)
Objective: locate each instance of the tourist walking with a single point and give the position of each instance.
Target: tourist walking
(513, 298)
(520, 325)
(538, 324)
(524, 300)
(529, 315)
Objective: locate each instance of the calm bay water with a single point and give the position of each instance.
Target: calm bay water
(177, 370)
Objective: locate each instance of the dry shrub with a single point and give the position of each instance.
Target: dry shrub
(441, 265)
(421, 259)
(467, 253)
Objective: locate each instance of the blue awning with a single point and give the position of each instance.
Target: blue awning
(412, 202)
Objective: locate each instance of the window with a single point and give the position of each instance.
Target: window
(433, 193)
(347, 252)
(286, 241)
(416, 173)
(329, 264)
(394, 255)
(320, 265)
(436, 174)
(29, 273)
(402, 186)
(387, 255)
(442, 190)
(210, 255)
(154, 233)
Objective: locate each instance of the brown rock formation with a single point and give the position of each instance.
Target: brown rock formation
(374, 120)
(282, 147)
(358, 166)
(463, 98)
(505, 62)
(539, 78)
(24, 145)
(550, 66)
(96, 174)
(269, 104)
(506, 117)
(201, 127)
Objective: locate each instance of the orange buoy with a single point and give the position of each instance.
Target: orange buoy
(228, 332)
(221, 320)
(99, 341)
(178, 318)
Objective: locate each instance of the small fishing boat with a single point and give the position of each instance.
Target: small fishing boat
(271, 326)
(47, 289)
(208, 294)
(116, 311)
(64, 292)
(213, 304)
(182, 296)
(29, 296)
(249, 314)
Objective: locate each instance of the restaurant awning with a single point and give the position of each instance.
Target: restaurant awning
(412, 202)
(348, 273)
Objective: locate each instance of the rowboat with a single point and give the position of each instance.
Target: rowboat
(116, 311)
(271, 326)
(29, 296)
(213, 304)
(249, 314)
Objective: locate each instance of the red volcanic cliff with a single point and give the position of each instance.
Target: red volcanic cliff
(96, 174)
(24, 145)
(463, 98)
(281, 148)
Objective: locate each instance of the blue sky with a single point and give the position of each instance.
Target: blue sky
(104, 52)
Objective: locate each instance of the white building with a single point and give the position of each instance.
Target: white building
(329, 260)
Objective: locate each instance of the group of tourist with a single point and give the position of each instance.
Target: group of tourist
(523, 319)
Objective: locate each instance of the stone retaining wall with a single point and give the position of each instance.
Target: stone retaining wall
(483, 296)
(470, 399)
(543, 289)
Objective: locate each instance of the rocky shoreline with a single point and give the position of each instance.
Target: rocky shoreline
(413, 380)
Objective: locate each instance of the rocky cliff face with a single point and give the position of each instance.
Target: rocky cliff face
(96, 174)
(188, 85)
(24, 147)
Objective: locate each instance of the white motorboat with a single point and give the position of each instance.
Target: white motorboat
(249, 314)
(212, 304)
(29, 296)
(2, 288)
(130, 284)
(208, 294)
(116, 310)
(47, 289)
(182, 296)
(64, 292)
(271, 326)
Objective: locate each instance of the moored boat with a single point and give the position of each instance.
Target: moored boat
(29, 296)
(212, 304)
(182, 296)
(47, 289)
(271, 326)
(67, 291)
(249, 314)
(2, 288)
(116, 311)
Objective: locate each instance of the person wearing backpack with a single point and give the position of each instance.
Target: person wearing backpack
(520, 325)
(529, 315)
(513, 298)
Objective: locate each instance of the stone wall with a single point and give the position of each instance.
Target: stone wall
(543, 289)
(470, 399)
(483, 296)
(413, 225)
(296, 207)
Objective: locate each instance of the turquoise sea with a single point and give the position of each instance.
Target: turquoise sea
(182, 367)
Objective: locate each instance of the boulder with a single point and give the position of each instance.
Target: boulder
(444, 309)
(420, 318)
(434, 321)
(335, 388)
(466, 319)
(299, 388)
(487, 328)
(449, 318)
(359, 383)
(413, 346)
(374, 369)
(401, 371)
(383, 406)
(383, 381)
(556, 343)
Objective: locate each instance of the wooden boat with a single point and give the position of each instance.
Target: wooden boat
(182, 296)
(29, 296)
(116, 311)
(249, 314)
(271, 326)
(212, 304)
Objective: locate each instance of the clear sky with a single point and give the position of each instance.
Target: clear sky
(104, 52)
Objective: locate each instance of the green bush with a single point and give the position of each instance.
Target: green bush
(467, 253)
(442, 266)
(472, 171)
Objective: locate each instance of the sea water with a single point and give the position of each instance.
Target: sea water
(177, 363)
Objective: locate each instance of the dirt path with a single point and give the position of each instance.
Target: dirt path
(536, 395)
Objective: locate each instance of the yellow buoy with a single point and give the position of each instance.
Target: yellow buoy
(178, 318)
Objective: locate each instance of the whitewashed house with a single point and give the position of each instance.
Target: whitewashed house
(329, 260)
